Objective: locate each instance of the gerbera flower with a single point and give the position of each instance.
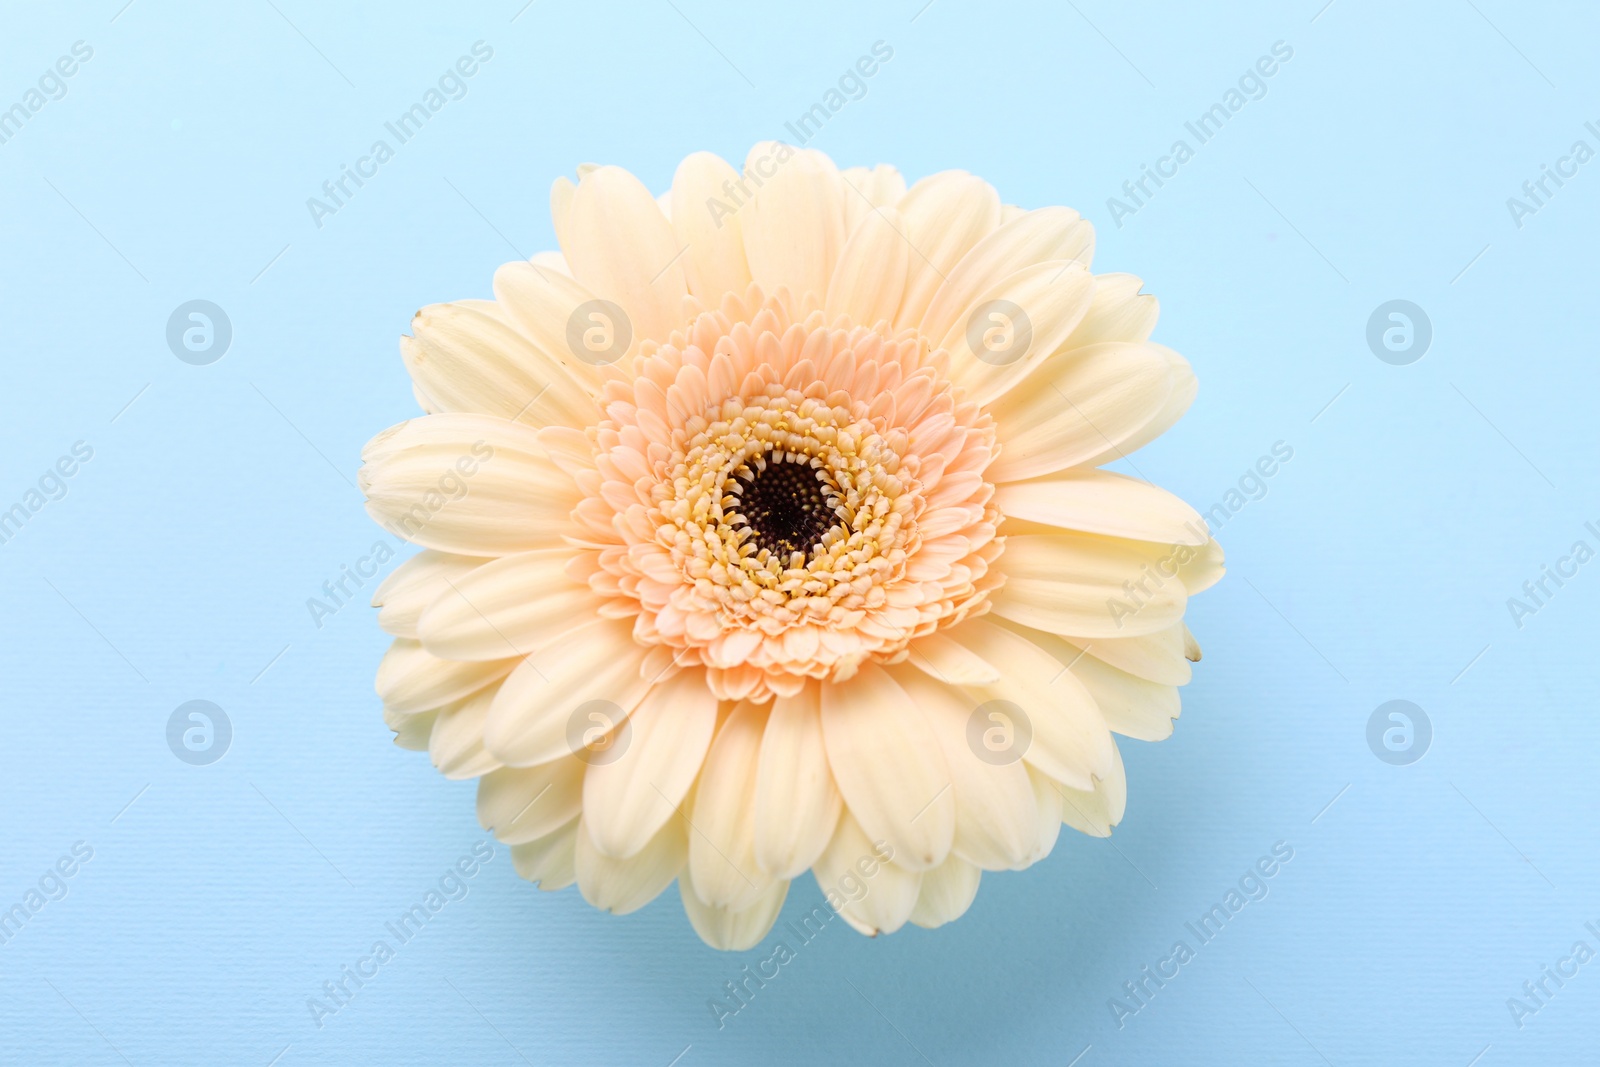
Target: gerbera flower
(763, 531)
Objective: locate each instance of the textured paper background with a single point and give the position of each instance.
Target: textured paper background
(1376, 166)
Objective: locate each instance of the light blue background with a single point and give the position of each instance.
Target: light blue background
(1377, 566)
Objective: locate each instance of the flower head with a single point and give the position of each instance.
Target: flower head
(763, 531)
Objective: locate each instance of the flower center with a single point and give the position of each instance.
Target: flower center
(787, 503)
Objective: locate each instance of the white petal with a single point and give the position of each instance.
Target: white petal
(411, 730)
(871, 275)
(410, 679)
(794, 227)
(867, 188)
(888, 766)
(467, 358)
(1157, 657)
(621, 886)
(621, 248)
(1083, 585)
(796, 803)
(1095, 813)
(1184, 388)
(1078, 405)
(947, 892)
(514, 606)
(549, 862)
(523, 803)
(950, 661)
(946, 214)
(1052, 233)
(1133, 707)
(456, 744)
(403, 596)
(1038, 307)
(1070, 740)
(996, 818)
(468, 484)
(1047, 793)
(1119, 312)
(709, 225)
(726, 928)
(870, 892)
(588, 677)
(1204, 570)
(1102, 502)
(722, 839)
(541, 302)
(627, 799)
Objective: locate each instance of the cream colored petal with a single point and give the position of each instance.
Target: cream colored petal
(1132, 706)
(1119, 312)
(871, 274)
(709, 224)
(621, 886)
(728, 929)
(1047, 793)
(794, 225)
(867, 188)
(411, 680)
(468, 484)
(621, 248)
(950, 661)
(1157, 657)
(946, 215)
(1052, 233)
(1070, 740)
(550, 861)
(561, 192)
(1184, 388)
(541, 303)
(723, 836)
(412, 730)
(402, 597)
(588, 678)
(1203, 571)
(1083, 585)
(889, 766)
(628, 798)
(1102, 502)
(466, 357)
(870, 892)
(996, 818)
(520, 804)
(515, 605)
(796, 803)
(456, 744)
(1079, 404)
(947, 892)
(1096, 812)
(1013, 327)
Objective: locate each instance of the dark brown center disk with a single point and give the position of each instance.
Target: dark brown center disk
(786, 507)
